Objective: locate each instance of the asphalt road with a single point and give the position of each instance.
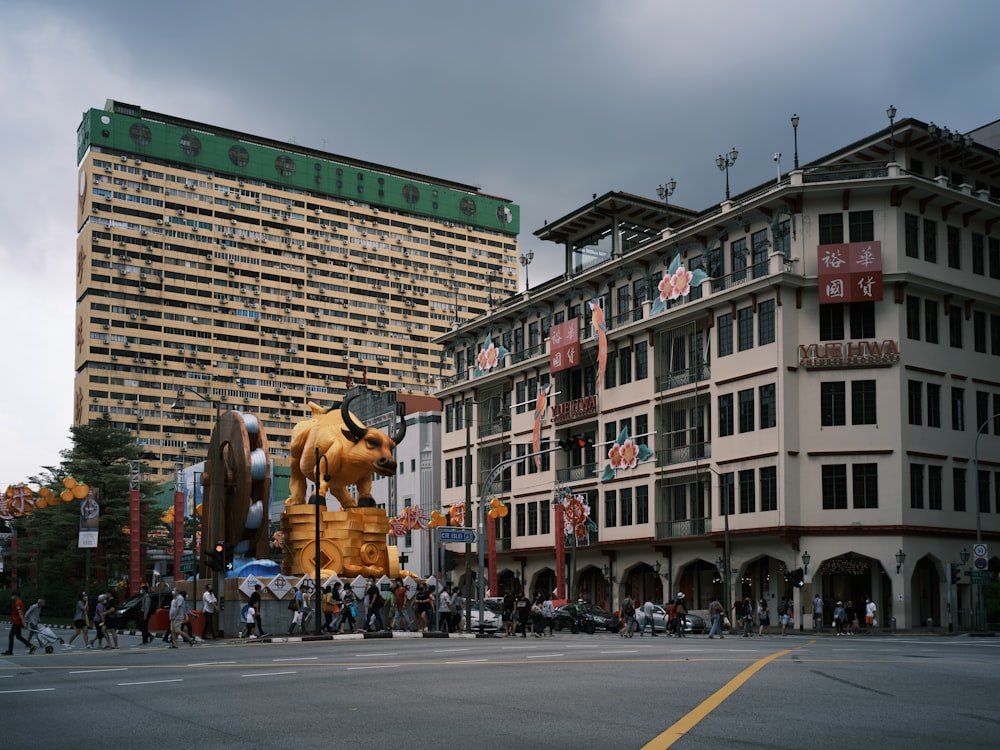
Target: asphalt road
(568, 691)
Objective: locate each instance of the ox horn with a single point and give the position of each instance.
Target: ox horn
(357, 430)
(401, 432)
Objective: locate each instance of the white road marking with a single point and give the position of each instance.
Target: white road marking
(468, 661)
(384, 666)
(32, 690)
(541, 656)
(99, 671)
(150, 682)
(266, 674)
(300, 658)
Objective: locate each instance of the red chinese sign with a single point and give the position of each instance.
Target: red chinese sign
(564, 345)
(850, 272)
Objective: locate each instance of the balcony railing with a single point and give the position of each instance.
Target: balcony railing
(687, 527)
(679, 378)
(683, 454)
(528, 353)
(582, 473)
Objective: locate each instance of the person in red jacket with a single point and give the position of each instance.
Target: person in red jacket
(16, 623)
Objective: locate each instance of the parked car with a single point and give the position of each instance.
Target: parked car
(492, 616)
(594, 618)
(129, 613)
(694, 623)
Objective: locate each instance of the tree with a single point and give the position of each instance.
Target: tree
(50, 562)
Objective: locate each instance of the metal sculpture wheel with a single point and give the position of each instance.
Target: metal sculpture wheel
(241, 442)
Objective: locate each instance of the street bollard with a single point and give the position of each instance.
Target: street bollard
(892, 624)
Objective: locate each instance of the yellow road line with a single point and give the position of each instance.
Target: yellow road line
(688, 722)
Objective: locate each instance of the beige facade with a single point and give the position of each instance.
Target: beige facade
(262, 275)
(837, 414)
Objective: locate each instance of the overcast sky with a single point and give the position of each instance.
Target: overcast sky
(544, 103)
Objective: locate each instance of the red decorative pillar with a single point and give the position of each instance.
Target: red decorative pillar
(560, 532)
(491, 551)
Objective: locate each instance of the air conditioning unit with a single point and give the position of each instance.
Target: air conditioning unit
(233, 222)
(114, 357)
(168, 434)
(139, 417)
(127, 345)
(142, 275)
(149, 261)
(144, 232)
(133, 316)
(192, 421)
(142, 290)
(121, 401)
(106, 326)
(159, 221)
(180, 211)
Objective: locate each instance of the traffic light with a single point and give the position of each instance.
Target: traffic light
(956, 574)
(228, 558)
(584, 441)
(567, 444)
(217, 557)
(797, 578)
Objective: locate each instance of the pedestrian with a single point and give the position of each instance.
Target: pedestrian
(457, 610)
(100, 623)
(16, 625)
(145, 610)
(647, 618)
(537, 617)
(424, 603)
(295, 607)
(680, 608)
(249, 616)
(209, 605)
(33, 621)
(444, 610)
(111, 621)
(871, 616)
(337, 596)
(402, 617)
(178, 611)
(839, 614)
(786, 617)
(507, 614)
(763, 618)
(851, 614)
(349, 611)
(522, 611)
(549, 613)
(628, 617)
(671, 615)
(818, 613)
(81, 621)
(328, 610)
(374, 602)
(255, 599)
(715, 611)
(747, 616)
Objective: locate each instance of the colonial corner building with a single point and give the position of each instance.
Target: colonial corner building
(802, 379)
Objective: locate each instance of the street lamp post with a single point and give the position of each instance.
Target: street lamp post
(665, 191)
(216, 479)
(891, 114)
(802, 606)
(979, 503)
(526, 259)
(724, 163)
(795, 138)
(938, 134)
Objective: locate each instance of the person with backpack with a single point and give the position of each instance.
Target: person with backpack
(680, 609)
(628, 613)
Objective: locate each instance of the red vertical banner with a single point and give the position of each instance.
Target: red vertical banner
(491, 551)
(179, 533)
(134, 544)
(560, 531)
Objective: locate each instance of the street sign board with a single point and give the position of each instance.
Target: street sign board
(468, 536)
(982, 577)
(187, 567)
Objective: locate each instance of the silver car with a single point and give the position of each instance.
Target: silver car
(693, 623)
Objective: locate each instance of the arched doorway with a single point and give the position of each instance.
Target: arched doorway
(642, 583)
(925, 597)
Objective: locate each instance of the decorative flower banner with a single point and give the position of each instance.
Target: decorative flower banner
(677, 282)
(624, 453)
(412, 518)
(576, 518)
(541, 404)
(601, 331)
(490, 356)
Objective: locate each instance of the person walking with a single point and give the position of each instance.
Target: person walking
(444, 610)
(786, 617)
(255, 599)
(101, 623)
(715, 611)
(111, 621)
(209, 605)
(647, 618)
(374, 602)
(402, 618)
(33, 621)
(145, 610)
(348, 612)
(507, 614)
(818, 613)
(425, 606)
(549, 614)
(851, 615)
(249, 615)
(178, 611)
(81, 621)
(763, 618)
(295, 607)
(16, 625)
(457, 610)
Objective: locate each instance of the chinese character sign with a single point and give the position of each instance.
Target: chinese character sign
(564, 345)
(850, 272)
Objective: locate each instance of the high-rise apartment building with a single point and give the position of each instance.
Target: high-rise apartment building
(820, 416)
(261, 275)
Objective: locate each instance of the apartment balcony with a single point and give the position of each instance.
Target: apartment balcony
(684, 528)
(678, 378)
(683, 454)
(583, 473)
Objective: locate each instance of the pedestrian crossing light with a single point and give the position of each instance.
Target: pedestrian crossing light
(217, 558)
(956, 574)
(227, 558)
(797, 577)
